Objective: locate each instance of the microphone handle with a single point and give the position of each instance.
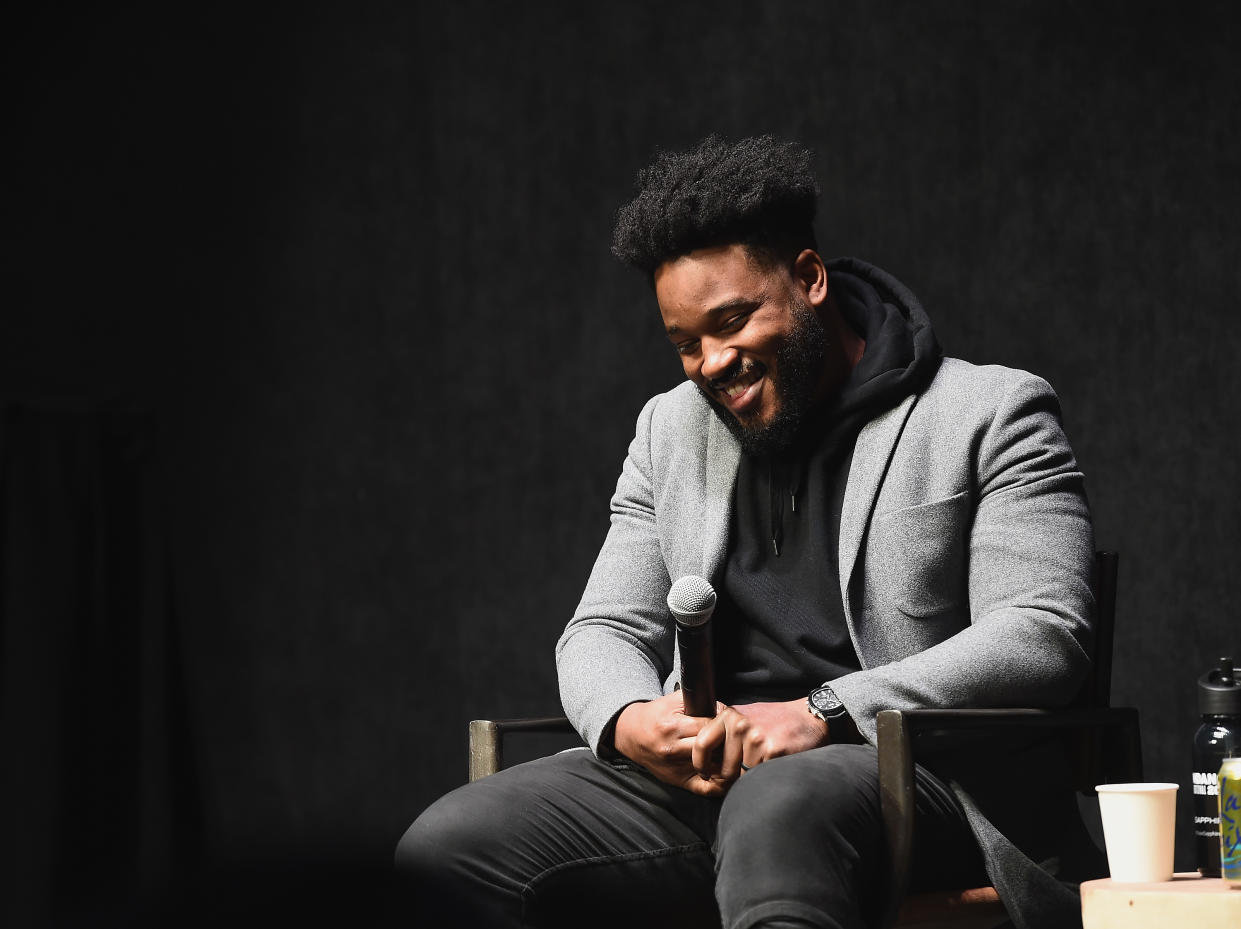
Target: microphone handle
(697, 671)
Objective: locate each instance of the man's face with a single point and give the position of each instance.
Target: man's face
(749, 337)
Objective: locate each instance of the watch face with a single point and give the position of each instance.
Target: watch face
(825, 701)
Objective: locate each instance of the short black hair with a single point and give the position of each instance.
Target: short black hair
(758, 192)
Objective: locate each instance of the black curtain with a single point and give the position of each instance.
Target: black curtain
(98, 789)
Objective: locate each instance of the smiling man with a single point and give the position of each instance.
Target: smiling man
(884, 527)
(763, 379)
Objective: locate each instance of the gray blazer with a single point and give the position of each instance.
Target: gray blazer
(965, 560)
(965, 553)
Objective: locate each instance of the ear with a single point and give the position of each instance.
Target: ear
(811, 275)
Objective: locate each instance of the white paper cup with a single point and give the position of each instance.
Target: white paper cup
(1139, 825)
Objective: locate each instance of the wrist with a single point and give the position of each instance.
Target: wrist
(823, 732)
(622, 728)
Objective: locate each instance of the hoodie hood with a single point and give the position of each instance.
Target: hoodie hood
(902, 353)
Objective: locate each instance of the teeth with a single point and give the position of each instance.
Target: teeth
(733, 391)
(741, 382)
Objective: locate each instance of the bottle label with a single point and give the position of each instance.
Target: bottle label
(1206, 820)
(1206, 784)
(1206, 827)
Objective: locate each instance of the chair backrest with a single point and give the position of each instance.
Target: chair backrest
(1112, 751)
(1097, 690)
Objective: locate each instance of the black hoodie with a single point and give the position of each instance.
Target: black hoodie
(779, 626)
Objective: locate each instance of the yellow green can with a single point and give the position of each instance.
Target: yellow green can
(1230, 821)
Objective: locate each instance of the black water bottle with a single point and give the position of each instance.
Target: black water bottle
(1219, 737)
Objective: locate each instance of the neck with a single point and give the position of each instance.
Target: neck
(845, 349)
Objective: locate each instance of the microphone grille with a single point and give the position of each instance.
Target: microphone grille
(691, 594)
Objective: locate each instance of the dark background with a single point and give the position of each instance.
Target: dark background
(317, 375)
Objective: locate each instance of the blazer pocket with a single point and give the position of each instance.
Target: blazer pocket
(917, 557)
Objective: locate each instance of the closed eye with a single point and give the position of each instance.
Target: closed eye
(741, 310)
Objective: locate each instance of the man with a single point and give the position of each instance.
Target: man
(884, 529)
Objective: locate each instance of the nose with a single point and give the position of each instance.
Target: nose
(717, 358)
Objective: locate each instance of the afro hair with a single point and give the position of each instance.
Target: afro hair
(757, 192)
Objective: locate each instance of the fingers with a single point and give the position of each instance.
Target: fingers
(703, 787)
(731, 758)
(668, 720)
(706, 756)
(673, 767)
(724, 744)
(710, 738)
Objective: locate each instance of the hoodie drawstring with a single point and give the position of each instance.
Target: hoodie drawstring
(776, 481)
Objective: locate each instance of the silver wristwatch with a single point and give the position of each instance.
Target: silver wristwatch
(824, 704)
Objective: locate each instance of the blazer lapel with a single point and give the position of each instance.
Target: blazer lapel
(871, 455)
(723, 457)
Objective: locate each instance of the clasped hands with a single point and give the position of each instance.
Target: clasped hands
(705, 756)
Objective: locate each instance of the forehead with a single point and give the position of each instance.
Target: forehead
(708, 278)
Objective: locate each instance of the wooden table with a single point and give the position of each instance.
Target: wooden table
(1188, 900)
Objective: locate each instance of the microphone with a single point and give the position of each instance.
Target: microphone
(692, 600)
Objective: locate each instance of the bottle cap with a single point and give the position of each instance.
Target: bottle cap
(1219, 691)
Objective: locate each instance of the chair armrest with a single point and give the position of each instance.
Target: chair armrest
(487, 739)
(902, 734)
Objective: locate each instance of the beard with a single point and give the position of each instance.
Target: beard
(799, 365)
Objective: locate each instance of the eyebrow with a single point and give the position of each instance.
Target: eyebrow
(727, 306)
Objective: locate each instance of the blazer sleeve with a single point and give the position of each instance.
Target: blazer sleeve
(1030, 547)
(618, 647)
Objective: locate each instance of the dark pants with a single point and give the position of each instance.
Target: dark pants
(572, 841)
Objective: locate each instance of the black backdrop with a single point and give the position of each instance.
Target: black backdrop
(349, 265)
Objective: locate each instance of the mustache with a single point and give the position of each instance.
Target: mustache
(737, 369)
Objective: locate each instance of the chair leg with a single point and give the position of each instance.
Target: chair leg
(485, 758)
(896, 790)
